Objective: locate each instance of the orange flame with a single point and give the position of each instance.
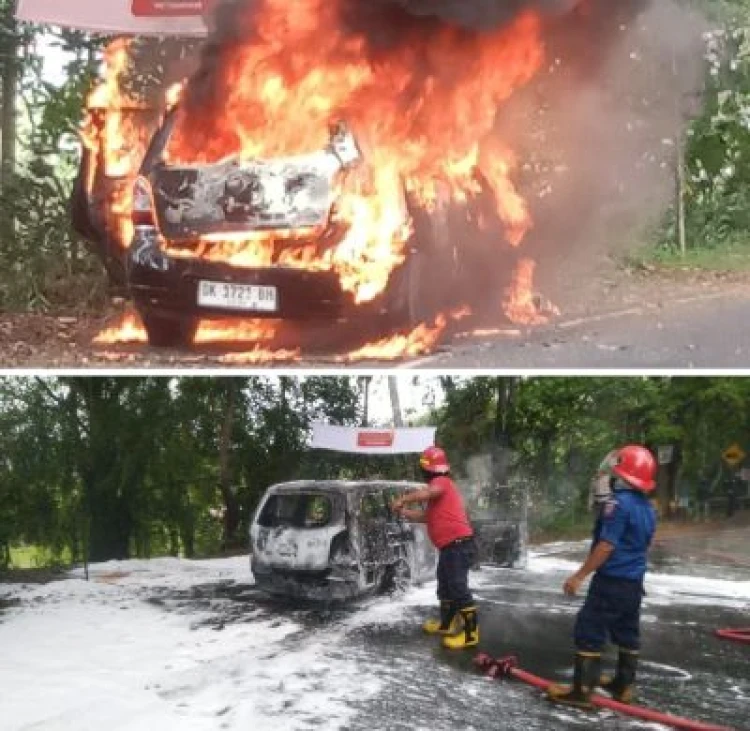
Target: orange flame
(128, 330)
(116, 132)
(419, 341)
(419, 112)
(521, 304)
(423, 113)
(224, 331)
(260, 355)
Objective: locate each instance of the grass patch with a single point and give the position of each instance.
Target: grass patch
(34, 557)
(730, 255)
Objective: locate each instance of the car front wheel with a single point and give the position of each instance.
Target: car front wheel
(398, 578)
(169, 332)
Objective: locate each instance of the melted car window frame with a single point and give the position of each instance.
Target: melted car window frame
(301, 512)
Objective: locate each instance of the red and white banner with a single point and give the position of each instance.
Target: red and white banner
(169, 8)
(407, 440)
(121, 17)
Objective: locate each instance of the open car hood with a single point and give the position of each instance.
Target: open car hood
(241, 196)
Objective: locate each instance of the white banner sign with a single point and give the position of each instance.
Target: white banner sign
(407, 440)
(118, 17)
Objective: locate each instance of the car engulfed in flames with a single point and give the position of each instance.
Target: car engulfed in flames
(314, 177)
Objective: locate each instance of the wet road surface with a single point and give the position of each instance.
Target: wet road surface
(685, 669)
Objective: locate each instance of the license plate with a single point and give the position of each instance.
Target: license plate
(246, 297)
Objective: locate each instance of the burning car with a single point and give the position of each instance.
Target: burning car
(293, 179)
(269, 237)
(334, 540)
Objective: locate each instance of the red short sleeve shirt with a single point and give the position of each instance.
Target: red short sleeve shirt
(445, 515)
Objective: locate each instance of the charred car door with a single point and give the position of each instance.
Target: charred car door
(374, 545)
(421, 553)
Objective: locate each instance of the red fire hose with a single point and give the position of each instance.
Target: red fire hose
(508, 667)
(737, 635)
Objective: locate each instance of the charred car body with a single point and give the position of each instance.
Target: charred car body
(499, 542)
(174, 264)
(335, 540)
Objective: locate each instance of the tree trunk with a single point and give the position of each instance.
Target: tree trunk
(10, 68)
(505, 391)
(110, 526)
(174, 541)
(395, 402)
(231, 504)
(187, 537)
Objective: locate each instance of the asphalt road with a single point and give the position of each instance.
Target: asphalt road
(654, 323)
(685, 670)
(709, 331)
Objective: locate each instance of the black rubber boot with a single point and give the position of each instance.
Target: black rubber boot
(448, 622)
(621, 687)
(469, 636)
(585, 678)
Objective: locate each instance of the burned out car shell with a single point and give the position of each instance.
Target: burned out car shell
(498, 542)
(336, 540)
(231, 197)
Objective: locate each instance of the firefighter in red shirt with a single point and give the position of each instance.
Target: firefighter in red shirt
(450, 531)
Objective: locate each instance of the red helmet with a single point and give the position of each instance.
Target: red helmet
(433, 460)
(636, 465)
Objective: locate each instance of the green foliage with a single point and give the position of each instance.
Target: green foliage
(38, 250)
(561, 428)
(717, 151)
(117, 467)
(42, 260)
(43, 263)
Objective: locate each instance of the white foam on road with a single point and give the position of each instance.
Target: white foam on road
(92, 656)
(661, 588)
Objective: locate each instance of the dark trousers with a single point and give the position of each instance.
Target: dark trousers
(612, 611)
(453, 573)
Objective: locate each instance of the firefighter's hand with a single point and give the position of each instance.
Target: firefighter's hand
(572, 584)
(397, 506)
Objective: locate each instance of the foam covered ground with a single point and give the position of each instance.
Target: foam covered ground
(176, 644)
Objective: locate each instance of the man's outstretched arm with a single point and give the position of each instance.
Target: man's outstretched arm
(413, 516)
(419, 496)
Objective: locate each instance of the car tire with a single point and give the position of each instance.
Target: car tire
(169, 332)
(420, 297)
(398, 578)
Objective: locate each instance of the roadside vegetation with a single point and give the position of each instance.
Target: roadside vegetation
(110, 468)
(709, 228)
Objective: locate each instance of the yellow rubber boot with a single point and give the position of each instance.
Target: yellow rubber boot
(585, 678)
(469, 635)
(448, 622)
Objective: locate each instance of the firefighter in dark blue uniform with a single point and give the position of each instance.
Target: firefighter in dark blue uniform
(623, 531)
